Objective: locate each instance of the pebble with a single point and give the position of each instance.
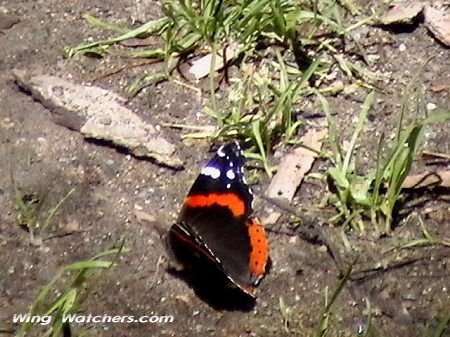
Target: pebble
(409, 296)
(430, 133)
(7, 21)
(7, 123)
(431, 106)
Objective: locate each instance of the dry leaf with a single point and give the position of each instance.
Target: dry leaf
(438, 23)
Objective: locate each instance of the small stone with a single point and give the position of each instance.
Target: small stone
(7, 123)
(401, 12)
(73, 226)
(404, 316)
(402, 47)
(431, 106)
(409, 296)
(322, 249)
(428, 210)
(7, 21)
(430, 133)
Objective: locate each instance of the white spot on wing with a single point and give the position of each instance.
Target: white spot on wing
(228, 186)
(230, 164)
(231, 175)
(220, 152)
(210, 171)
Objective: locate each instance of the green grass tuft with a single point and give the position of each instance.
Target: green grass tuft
(376, 194)
(31, 213)
(80, 278)
(282, 48)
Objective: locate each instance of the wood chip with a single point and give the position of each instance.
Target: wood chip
(294, 166)
(439, 87)
(99, 114)
(291, 172)
(401, 12)
(439, 178)
(201, 67)
(438, 23)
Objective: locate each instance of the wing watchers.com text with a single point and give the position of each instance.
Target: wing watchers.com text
(83, 319)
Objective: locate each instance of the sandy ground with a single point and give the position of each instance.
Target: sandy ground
(48, 160)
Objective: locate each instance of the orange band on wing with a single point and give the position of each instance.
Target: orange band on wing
(260, 248)
(230, 200)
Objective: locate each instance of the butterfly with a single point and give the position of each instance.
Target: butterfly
(216, 223)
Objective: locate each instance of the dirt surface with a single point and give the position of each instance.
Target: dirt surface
(408, 290)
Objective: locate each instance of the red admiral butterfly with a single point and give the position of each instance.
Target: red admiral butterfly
(216, 223)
